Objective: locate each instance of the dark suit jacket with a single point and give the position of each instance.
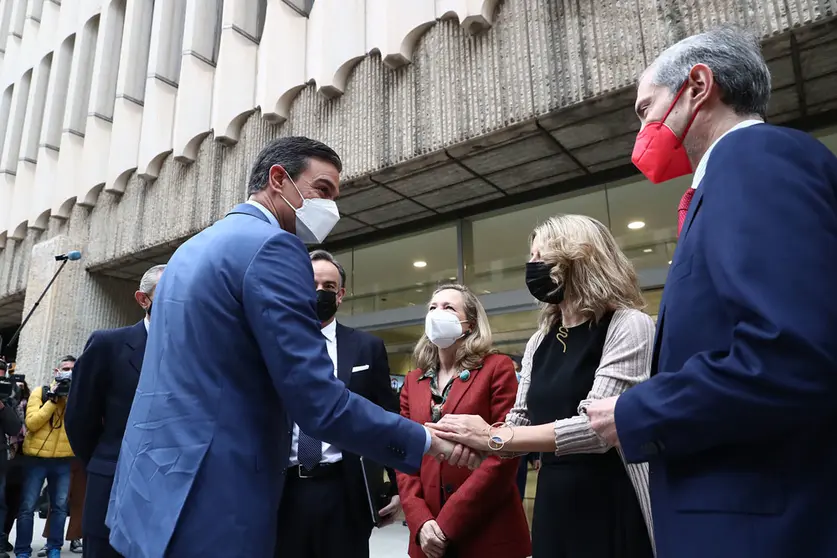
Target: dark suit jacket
(738, 419)
(104, 383)
(235, 327)
(368, 356)
(479, 511)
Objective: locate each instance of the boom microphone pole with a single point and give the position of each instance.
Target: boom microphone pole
(70, 256)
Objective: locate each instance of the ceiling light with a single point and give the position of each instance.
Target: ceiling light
(648, 250)
(419, 264)
(669, 262)
(636, 225)
(451, 278)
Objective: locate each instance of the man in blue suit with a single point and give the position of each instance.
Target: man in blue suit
(234, 357)
(738, 419)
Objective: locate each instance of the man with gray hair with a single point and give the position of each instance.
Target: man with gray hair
(104, 382)
(737, 417)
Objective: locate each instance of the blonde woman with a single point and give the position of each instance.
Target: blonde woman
(593, 342)
(453, 511)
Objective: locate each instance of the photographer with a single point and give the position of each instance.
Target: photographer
(48, 456)
(10, 425)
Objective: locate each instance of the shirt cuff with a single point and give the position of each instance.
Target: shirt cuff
(427, 440)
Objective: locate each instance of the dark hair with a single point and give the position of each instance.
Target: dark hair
(66, 358)
(323, 256)
(292, 154)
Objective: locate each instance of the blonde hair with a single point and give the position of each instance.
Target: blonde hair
(596, 275)
(476, 345)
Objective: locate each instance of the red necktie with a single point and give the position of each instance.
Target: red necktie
(683, 208)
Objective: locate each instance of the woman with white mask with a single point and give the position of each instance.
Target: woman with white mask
(453, 511)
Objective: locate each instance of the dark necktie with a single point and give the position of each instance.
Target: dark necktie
(683, 209)
(309, 451)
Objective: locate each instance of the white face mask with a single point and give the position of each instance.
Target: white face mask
(64, 375)
(315, 219)
(443, 328)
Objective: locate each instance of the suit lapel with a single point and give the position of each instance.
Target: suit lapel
(136, 345)
(457, 391)
(346, 352)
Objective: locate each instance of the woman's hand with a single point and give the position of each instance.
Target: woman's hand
(468, 430)
(432, 540)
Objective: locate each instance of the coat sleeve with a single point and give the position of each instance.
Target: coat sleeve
(38, 415)
(85, 412)
(280, 306)
(486, 487)
(409, 486)
(770, 195)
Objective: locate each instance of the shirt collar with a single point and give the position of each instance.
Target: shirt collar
(701, 168)
(330, 331)
(263, 209)
(147, 323)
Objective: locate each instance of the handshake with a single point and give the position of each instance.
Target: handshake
(461, 440)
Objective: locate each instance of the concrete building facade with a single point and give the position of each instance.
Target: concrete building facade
(126, 126)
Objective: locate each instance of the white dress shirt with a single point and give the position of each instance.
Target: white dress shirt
(701, 168)
(263, 209)
(147, 323)
(330, 453)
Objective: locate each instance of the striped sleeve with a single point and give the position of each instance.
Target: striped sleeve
(519, 414)
(626, 361)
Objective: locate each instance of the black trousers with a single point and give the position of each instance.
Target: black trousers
(97, 547)
(316, 521)
(96, 533)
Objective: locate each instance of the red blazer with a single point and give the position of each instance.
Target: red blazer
(481, 514)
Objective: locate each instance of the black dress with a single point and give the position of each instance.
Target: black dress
(585, 506)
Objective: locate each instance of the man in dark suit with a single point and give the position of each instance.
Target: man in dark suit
(239, 353)
(738, 419)
(104, 383)
(327, 513)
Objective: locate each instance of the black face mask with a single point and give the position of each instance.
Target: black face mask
(148, 310)
(326, 305)
(541, 285)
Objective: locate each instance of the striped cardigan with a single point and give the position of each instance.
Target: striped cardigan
(626, 361)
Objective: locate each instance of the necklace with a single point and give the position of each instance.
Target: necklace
(561, 335)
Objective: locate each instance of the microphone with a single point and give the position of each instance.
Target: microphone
(72, 256)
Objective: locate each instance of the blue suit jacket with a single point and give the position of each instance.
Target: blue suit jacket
(234, 354)
(739, 417)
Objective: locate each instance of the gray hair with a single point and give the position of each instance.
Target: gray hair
(323, 256)
(736, 61)
(150, 279)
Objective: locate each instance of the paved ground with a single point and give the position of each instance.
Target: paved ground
(389, 542)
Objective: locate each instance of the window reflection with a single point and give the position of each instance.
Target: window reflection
(399, 273)
(501, 242)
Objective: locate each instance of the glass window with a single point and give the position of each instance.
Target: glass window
(643, 219)
(400, 342)
(500, 242)
(399, 273)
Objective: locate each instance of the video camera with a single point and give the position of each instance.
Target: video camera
(62, 387)
(9, 385)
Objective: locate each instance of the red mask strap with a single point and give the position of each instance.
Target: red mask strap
(671, 108)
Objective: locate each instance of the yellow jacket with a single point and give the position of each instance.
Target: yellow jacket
(45, 434)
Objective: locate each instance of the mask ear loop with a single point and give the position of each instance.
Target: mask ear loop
(297, 191)
(682, 138)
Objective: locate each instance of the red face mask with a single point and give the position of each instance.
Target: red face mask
(658, 152)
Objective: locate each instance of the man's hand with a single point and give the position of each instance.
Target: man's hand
(432, 540)
(470, 430)
(602, 419)
(536, 464)
(388, 512)
(456, 455)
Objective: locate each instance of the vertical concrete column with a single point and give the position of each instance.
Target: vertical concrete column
(102, 98)
(287, 32)
(235, 77)
(46, 191)
(70, 167)
(130, 94)
(336, 42)
(193, 109)
(161, 86)
(77, 304)
(11, 152)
